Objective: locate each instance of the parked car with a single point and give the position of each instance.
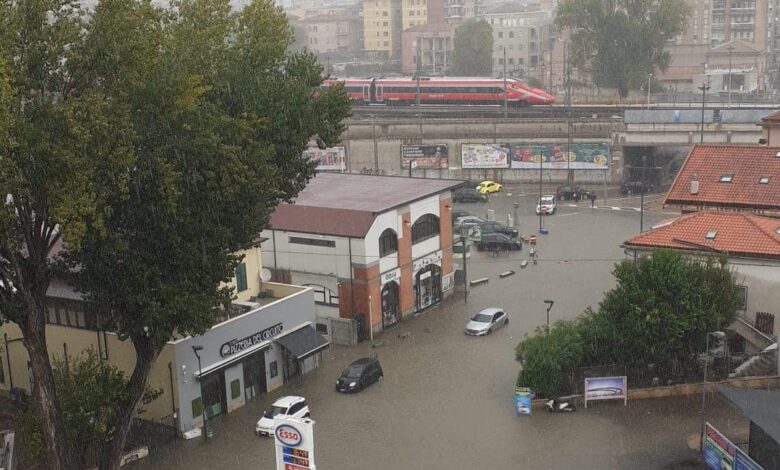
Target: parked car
(468, 195)
(292, 406)
(496, 227)
(546, 205)
(469, 220)
(573, 193)
(498, 242)
(488, 187)
(484, 322)
(635, 187)
(457, 214)
(359, 375)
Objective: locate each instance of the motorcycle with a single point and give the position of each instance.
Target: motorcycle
(560, 405)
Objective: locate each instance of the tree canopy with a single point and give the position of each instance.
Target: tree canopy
(659, 313)
(473, 52)
(144, 145)
(621, 42)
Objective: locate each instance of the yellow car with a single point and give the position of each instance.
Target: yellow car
(487, 187)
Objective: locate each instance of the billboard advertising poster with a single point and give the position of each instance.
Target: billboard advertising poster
(523, 401)
(425, 156)
(722, 454)
(329, 159)
(606, 388)
(580, 156)
(484, 156)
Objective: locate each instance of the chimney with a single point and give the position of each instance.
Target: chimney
(695, 184)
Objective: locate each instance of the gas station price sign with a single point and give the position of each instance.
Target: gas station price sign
(294, 443)
(295, 452)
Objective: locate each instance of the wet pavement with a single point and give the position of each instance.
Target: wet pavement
(446, 401)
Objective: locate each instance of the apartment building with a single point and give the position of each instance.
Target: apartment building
(333, 35)
(382, 28)
(427, 48)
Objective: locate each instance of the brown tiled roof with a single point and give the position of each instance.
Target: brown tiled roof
(774, 117)
(343, 204)
(735, 233)
(747, 164)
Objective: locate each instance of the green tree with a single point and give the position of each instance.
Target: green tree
(621, 41)
(154, 143)
(548, 359)
(473, 54)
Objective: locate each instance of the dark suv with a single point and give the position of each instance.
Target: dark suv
(498, 242)
(359, 375)
(635, 187)
(574, 193)
(468, 195)
(495, 227)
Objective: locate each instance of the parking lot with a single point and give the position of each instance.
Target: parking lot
(446, 398)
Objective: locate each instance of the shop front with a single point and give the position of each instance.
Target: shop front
(427, 281)
(391, 305)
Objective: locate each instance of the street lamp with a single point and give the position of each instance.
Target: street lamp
(649, 76)
(718, 335)
(549, 307)
(704, 87)
(195, 349)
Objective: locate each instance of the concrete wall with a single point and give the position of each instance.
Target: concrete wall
(761, 279)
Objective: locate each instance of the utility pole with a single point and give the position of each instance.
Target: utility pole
(731, 48)
(642, 197)
(465, 268)
(704, 87)
(419, 59)
(569, 125)
(649, 76)
(505, 92)
(541, 160)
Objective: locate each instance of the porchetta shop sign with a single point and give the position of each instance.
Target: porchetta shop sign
(237, 345)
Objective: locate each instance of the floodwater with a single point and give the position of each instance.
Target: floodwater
(446, 401)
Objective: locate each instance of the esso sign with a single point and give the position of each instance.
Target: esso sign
(288, 435)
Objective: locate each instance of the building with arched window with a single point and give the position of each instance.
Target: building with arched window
(373, 248)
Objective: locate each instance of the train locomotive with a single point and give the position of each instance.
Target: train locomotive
(442, 91)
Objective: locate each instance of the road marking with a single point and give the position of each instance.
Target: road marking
(615, 208)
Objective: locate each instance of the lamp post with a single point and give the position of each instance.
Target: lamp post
(642, 197)
(505, 90)
(550, 304)
(730, 48)
(704, 87)
(465, 268)
(717, 335)
(649, 76)
(541, 160)
(195, 349)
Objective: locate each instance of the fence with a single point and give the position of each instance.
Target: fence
(342, 331)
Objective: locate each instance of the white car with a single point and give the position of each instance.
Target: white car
(486, 321)
(546, 205)
(293, 406)
(468, 220)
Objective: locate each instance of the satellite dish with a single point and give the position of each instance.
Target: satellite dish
(265, 275)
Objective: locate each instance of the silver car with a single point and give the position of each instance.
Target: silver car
(484, 322)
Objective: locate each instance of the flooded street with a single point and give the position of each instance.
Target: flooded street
(446, 401)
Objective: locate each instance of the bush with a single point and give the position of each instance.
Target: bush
(547, 358)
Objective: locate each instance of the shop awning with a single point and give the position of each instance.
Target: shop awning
(303, 342)
(229, 361)
(759, 406)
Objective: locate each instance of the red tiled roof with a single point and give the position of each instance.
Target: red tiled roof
(736, 233)
(322, 220)
(774, 117)
(747, 164)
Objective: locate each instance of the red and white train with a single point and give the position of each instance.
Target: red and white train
(443, 90)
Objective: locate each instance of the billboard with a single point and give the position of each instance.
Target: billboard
(294, 443)
(425, 156)
(484, 156)
(329, 159)
(606, 388)
(721, 454)
(579, 156)
(523, 401)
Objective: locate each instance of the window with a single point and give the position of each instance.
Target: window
(388, 242)
(2, 370)
(500, 35)
(323, 295)
(322, 328)
(235, 389)
(197, 407)
(241, 284)
(511, 34)
(711, 235)
(763, 180)
(426, 227)
(727, 178)
(743, 293)
(274, 369)
(315, 241)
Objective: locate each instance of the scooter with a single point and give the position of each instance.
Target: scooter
(560, 405)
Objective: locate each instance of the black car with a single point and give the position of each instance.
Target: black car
(495, 227)
(359, 375)
(574, 193)
(498, 242)
(468, 195)
(635, 187)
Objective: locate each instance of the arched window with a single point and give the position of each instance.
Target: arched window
(388, 242)
(426, 226)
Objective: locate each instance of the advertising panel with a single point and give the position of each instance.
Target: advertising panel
(580, 156)
(721, 454)
(484, 156)
(329, 159)
(523, 401)
(294, 443)
(606, 388)
(425, 156)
